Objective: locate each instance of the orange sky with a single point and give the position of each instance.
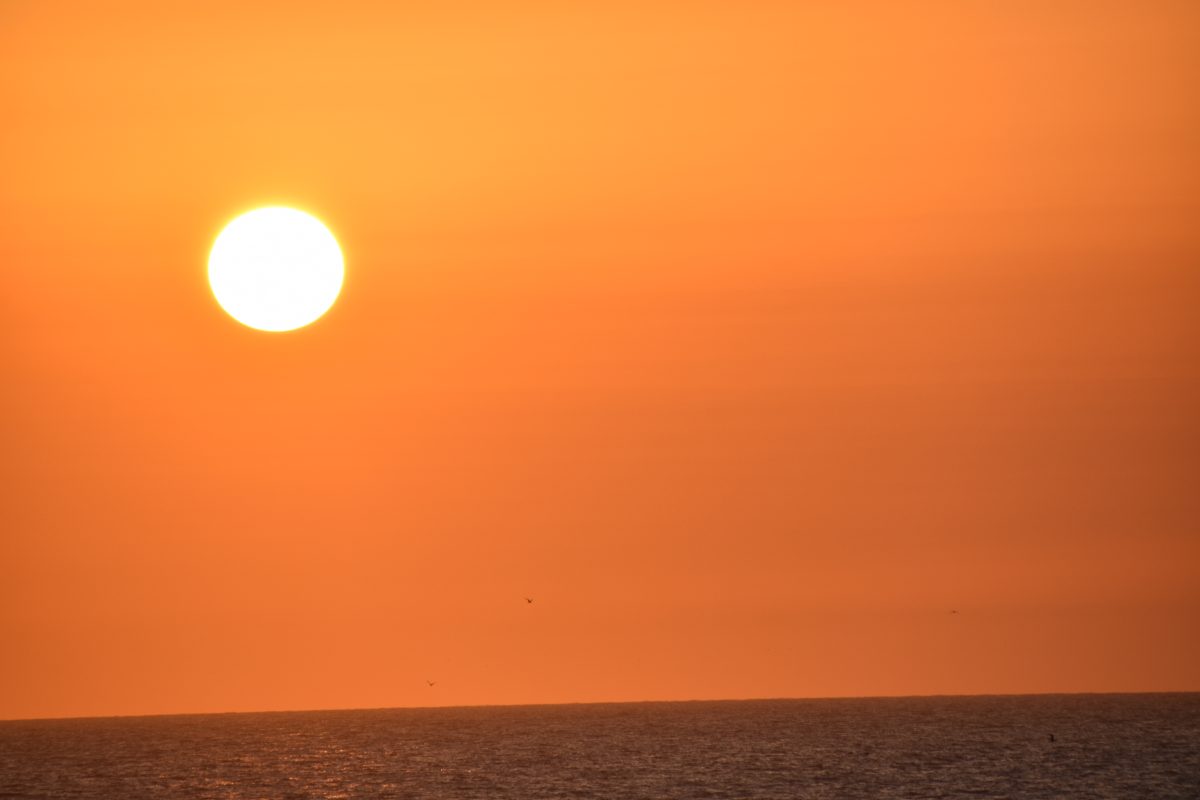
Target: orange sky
(748, 339)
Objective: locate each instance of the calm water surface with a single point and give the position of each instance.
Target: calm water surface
(1105, 746)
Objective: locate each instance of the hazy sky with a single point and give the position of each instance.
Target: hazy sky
(750, 340)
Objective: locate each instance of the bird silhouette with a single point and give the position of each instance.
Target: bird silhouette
(431, 683)
(528, 599)
(954, 611)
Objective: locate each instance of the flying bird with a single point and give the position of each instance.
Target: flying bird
(431, 683)
(528, 599)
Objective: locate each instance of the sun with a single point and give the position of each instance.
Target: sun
(275, 269)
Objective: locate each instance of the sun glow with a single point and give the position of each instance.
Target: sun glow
(275, 269)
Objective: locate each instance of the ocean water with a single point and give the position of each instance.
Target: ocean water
(1105, 746)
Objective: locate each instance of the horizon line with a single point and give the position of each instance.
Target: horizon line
(599, 703)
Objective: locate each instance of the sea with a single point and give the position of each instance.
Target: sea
(1138, 746)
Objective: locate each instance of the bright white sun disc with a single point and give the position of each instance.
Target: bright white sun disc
(275, 269)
